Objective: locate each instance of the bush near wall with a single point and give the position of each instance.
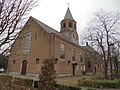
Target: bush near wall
(23, 82)
(60, 87)
(64, 87)
(100, 83)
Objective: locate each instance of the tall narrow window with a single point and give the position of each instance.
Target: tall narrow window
(64, 25)
(89, 64)
(62, 51)
(81, 57)
(73, 55)
(70, 24)
(26, 44)
(75, 26)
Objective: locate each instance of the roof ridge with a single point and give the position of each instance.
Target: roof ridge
(51, 30)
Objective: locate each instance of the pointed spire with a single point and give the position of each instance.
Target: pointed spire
(68, 15)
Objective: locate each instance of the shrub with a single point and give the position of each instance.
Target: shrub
(35, 84)
(23, 82)
(99, 83)
(91, 89)
(5, 80)
(64, 87)
(13, 83)
(107, 83)
(118, 83)
(88, 83)
(47, 75)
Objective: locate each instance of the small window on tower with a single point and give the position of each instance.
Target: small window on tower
(37, 60)
(70, 24)
(13, 61)
(75, 26)
(64, 25)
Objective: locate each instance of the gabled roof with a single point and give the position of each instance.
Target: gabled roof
(68, 15)
(49, 29)
(88, 48)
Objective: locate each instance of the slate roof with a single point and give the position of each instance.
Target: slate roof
(88, 48)
(49, 29)
(68, 15)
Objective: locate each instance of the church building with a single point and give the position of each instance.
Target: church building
(37, 41)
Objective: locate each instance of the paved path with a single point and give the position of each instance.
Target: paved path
(86, 88)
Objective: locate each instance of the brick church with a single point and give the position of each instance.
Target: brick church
(37, 41)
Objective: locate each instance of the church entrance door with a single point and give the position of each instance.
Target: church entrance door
(24, 67)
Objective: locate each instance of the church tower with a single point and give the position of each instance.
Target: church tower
(68, 27)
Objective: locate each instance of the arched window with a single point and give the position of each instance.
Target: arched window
(62, 51)
(70, 24)
(89, 64)
(73, 55)
(14, 61)
(64, 25)
(26, 44)
(37, 60)
(81, 58)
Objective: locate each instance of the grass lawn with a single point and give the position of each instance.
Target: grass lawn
(71, 80)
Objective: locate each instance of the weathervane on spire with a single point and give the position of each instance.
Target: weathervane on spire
(68, 4)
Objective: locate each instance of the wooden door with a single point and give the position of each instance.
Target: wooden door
(24, 67)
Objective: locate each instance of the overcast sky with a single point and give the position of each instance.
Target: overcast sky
(51, 12)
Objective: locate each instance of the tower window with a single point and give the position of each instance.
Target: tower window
(37, 60)
(13, 61)
(75, 26)
(64, 25)
(70, 24)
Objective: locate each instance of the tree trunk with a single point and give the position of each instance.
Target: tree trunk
(106, 67)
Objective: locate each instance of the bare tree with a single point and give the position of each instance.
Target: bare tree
(12, 15)
(102, 33)
(115, 58)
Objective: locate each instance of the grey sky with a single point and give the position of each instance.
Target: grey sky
(51, 12)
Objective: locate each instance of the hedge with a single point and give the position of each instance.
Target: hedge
(60, 87)
(100, 83)
(64, 87)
